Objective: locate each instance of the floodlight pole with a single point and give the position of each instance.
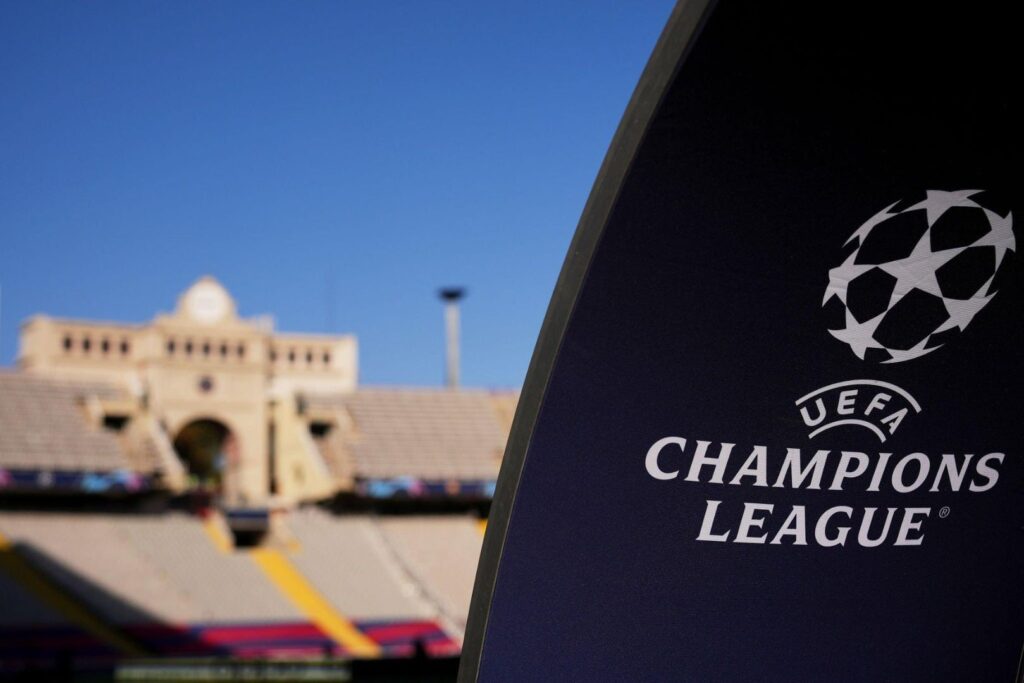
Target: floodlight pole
(451, 297)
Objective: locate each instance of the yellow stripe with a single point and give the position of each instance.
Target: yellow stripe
(481, 526)
(310, 602)
(216, 533)
(22, 572)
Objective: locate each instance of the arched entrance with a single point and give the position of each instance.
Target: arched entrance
(209, 451)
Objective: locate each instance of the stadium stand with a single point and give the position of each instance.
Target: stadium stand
(163, 583)
(39, 625)
(43, 423)
(94, 555)
(441, 552)
(21, 609)
(303, 519)
(430, 434)
(343, 557)
(226, 587)
(62, 435)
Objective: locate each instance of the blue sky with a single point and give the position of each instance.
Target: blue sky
(332, 163)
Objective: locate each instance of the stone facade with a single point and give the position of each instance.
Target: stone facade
(205, 364)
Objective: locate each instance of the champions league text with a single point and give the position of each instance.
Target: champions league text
(704, 462)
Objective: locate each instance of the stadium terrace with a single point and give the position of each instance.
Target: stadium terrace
(202, 491)
(204, 399)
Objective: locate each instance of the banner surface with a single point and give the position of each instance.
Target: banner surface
(772, 429)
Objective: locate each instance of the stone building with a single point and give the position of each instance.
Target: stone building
(202, 397)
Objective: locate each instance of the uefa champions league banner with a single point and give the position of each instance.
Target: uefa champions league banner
(772, 429)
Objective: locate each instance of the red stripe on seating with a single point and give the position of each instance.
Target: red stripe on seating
(400, 630)
(235, 634)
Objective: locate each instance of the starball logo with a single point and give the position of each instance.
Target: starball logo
(917, 274)
(913, 278)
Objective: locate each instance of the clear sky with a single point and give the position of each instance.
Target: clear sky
(332, 163)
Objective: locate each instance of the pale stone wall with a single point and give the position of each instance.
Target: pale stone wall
(301, 473)
(205, 362)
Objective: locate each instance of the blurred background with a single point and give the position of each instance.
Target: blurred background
(270, 279)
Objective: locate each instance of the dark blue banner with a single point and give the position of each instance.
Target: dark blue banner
(73, 481)
(772, 429)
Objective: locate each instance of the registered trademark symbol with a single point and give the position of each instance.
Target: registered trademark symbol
(944, 511)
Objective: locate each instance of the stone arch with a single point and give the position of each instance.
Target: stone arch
(209, 450)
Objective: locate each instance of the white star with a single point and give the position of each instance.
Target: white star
(962, 312)
(899, 355)
(870, 223)
(917, 271)
(937, 201)
(859, 335)
(1000, 236)
(839, 278)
